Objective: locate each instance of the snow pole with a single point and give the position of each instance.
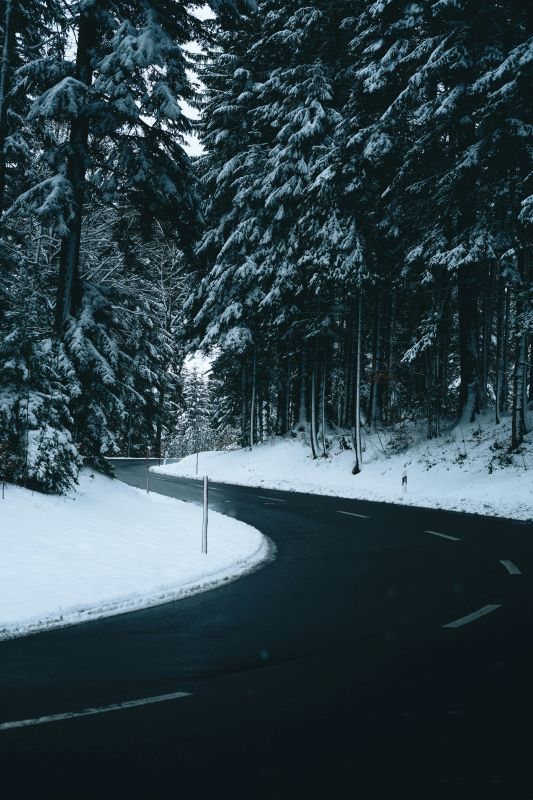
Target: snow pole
(404, 480)
(204, 520)
(147, 470)
(197, 462)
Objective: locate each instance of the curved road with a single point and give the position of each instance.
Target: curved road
(332, 671)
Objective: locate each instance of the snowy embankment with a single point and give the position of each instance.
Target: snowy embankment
(468, 469)
(107, 549)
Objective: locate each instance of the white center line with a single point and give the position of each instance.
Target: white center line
(89, 712)
(511, 568)
(444, 536)
(353, 514)
(457, 623)
(274, 499)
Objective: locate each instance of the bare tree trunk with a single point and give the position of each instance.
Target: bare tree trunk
(486, 341)
(505, 376)
(530, 393)
(302, 410)
(159, 423)
(357, 442)
(519, 418)
(430, 389)
(501, 346)
(314, 437)
(391, 383)
(441, 358)
(244, 405)
(323, 411)
(374, 415)
(348, 373)
(69, 288)
(288, 399)
(467, 303)
(252, 405)
(5, 82)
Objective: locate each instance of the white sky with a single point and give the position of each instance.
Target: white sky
(193, 146)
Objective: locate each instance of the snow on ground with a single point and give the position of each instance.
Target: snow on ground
(106, 549)
(467, 469)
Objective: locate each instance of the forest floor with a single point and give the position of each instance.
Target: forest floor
(106, 549)
(467, 469)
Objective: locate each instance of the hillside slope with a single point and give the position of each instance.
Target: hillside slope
(467, 469)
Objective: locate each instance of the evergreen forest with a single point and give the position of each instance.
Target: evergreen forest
(350, 247)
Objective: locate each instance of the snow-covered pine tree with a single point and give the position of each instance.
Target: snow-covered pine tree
(265, 131)
(117, 134)
(456, 133)
(35, 422)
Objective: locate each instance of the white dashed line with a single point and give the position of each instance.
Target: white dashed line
(353, 514)
(90, 712)
(511, 568)
(274, 499)
(444, 536)
(457, 623)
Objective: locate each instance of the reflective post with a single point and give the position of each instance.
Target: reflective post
(204, 521)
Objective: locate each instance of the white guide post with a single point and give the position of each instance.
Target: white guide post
(204, 521)
(147, 470)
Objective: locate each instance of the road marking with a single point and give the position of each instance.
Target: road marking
(89, 712)
(353, 514)
(444, 536)
(511, 568)
(274, 499)
(457, 623)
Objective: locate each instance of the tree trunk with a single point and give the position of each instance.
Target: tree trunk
(69, 288)
(301, 424)
(390, 370)
(5, 83)
(323, 411)
(357, 439)
(252, 405)
(244, 406)
(348, 374)
(530, 392)
(519, 418)
(376, 388)
(501, 347)
(467, 304)
(314, 437)
(486, 343)
(159, 423)
(288, 399)
(519, 376)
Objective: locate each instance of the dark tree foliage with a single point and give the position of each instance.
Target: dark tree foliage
(369, 214)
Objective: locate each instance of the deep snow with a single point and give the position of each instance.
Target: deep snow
(108, 548)
(465, 470)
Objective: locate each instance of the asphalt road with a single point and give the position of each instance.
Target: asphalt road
(328, 673)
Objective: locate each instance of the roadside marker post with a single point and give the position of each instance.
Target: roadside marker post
(147, 470)
(204, 521)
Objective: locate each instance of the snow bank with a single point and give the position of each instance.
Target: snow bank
(465, 470)
(107, 549)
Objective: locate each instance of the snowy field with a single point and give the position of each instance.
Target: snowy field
(107, 549)
(468, 469)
